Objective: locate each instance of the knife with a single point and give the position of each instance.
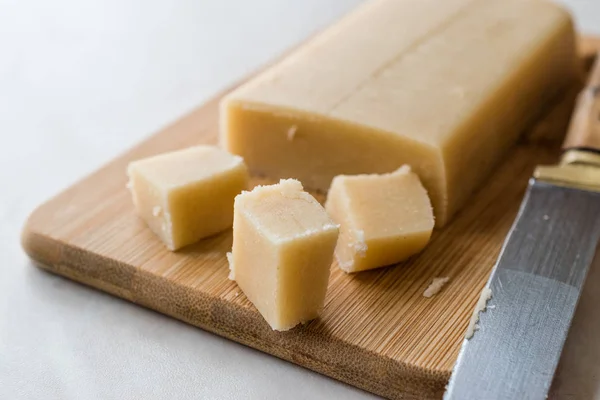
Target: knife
(537, 280)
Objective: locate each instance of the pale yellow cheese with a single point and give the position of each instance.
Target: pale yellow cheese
(188, 194)
(448, 100)
(329, 68)
(384, 219)
(480, 307)
(283, 243)
(435, 287)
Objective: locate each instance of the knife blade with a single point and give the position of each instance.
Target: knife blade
(537, 280)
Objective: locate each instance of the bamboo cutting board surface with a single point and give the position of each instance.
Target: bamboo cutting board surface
(377, 331)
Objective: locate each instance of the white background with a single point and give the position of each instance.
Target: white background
(80, 82)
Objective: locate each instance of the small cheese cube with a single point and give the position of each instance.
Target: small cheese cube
(384, 219)
(283, 243)
(188, 194)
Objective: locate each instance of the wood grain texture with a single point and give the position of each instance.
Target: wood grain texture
(377, 331)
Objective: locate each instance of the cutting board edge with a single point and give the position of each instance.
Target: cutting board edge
(47, 254)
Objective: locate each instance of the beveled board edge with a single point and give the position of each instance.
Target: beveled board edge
(348, 363)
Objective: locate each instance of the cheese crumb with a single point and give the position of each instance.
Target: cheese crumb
(231, 270)
(436, 285)
(156, 211)
(291, 133)
(481, 306)
(546, 217)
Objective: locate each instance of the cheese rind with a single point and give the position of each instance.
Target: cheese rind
(450, 104)
(187, 195)
(384, 219)
(283, 243)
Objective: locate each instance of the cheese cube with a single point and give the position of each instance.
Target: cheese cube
(444, 86)
(283, 243)
(188, 194)
(384, 219)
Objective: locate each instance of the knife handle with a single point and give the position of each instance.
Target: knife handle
(584, 129)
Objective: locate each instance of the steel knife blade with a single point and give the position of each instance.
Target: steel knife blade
(537, 280)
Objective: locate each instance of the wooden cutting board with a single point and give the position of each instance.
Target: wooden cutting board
(377, 331)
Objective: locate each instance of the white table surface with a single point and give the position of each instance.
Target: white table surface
(80, 82)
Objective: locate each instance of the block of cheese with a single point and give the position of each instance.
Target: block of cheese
(283, 243)
(448, 98)
(384, 219)
(188, 194)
